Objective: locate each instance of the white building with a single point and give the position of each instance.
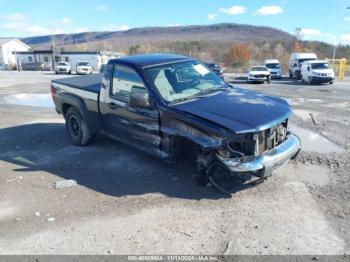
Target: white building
(8, 52)
(42, 59)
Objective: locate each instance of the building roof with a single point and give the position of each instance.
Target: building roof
(5, 40)
(151, 59)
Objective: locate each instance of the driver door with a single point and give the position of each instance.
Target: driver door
(136, 126)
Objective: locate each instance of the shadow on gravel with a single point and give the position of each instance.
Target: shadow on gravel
(105, 166)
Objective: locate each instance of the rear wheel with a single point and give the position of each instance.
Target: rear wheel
(77, 128)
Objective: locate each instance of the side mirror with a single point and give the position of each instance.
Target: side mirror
(295, 65)
(308, 68)
(139, 98)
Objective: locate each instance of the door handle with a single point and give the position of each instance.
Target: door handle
(112, 105)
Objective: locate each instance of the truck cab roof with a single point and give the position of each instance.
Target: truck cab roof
(271, 61)
(149, 60)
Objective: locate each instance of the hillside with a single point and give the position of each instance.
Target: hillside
(220, 33)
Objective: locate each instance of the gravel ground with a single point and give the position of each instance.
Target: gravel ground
(127, 202)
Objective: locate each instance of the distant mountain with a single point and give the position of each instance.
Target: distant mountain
(221, 33)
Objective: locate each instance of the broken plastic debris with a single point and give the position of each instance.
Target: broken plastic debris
(24, 160)
(51, 219)
(65, 184)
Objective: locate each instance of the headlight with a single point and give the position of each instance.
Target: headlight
(315, 73)
(251, 75)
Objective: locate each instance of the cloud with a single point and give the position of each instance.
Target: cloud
(173, 25)
(82, 29)
(113, 27)
(20, 23)
(26, 29)
(234, 10)
(311, 32)
(66, 21)
(101, 8)
(16, 17)
(345, 39)
(269, 10)
(212, 16)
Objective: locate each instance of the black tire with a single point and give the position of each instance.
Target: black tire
(331, 83)
(77, 128)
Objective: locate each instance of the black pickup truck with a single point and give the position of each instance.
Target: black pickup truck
(169, 105)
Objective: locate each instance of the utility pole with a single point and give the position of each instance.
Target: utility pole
(334, 52)
(53, 52)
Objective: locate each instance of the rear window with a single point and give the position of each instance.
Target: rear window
(83, 64)
(273, 66)
(300, 61)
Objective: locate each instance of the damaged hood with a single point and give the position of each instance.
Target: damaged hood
(239, 110)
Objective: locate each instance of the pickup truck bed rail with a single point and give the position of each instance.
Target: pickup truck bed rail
(90, 83)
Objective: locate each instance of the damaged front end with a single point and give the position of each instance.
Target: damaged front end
(254, 154)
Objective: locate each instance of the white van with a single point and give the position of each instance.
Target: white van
(295, 62)
(273, 65)
(317, 71)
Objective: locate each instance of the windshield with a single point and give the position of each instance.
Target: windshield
(273, 66)
(300, 61)
(62, 64)
(181, 81)
(320, 66)
(259, 68)
(83, 64)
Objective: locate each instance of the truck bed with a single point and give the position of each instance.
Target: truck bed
(90, 83)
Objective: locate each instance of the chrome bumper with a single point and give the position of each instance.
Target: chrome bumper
(265, 164)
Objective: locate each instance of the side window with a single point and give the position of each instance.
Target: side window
(125, 80)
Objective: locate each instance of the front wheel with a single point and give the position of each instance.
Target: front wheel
(77, 128)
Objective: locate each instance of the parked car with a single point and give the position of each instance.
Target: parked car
(83, 68)
(102, 68)
(216, 69)
(317, 71)
(295, 62)
(259, 74)
(171, 105)
(63, 68)
(273, 65)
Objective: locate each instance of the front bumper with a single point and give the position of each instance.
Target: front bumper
(84, 71)
(321, 79)
(257, 79)
(276, 75)
(265, 164)
(62, 70)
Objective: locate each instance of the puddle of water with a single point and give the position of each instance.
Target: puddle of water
(35, 100)
(313, 142)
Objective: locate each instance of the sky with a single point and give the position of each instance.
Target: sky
(325, 20)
